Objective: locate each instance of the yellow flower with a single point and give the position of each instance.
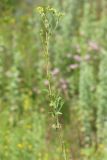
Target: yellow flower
(101, 146)
(30, 146)
(12, 21)
(27, 103)
(51, 9)
(40, 10)
(28, 126)
(20, 145)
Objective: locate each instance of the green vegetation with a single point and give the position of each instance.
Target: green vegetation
(53, 80)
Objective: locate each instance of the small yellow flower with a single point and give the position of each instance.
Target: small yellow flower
(40, 10)
(28, 126)
(82, 153)
(20, 145)
(46, 156)
(30, 146)
(101, 146)
(52, 10)
(12, 21)
(27, 103)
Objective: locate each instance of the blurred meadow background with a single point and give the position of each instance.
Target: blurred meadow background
(78, 55)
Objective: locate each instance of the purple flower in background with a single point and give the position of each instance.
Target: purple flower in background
(63, 84)
(93, 45)
(87, 57)
(78, 49)
(77, 58)
(46, 82)
(55, 71)
(62, 81)
(36, 90)
(73, 66)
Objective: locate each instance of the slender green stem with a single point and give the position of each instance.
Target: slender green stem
(61, 140)
(47, 64)
(50, 93)
(55, 101)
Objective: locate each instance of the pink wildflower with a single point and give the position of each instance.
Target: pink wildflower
(55, 71)
(87, 57)
(46, 82)
(77, 58)
(93, 45)
(73, 66)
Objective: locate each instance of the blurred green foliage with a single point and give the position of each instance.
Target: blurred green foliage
(78, 66)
